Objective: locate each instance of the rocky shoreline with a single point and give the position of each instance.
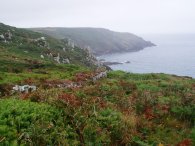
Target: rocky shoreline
(109, 63)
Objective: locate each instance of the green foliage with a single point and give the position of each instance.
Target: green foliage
(122, 109)
(27, 123)
(193, 135)
(184, 112)
(25, 48)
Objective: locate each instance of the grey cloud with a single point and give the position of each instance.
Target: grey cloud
(137, 16)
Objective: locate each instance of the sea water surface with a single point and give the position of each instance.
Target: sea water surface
(174, 54)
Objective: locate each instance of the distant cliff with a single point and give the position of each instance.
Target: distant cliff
(100, 41)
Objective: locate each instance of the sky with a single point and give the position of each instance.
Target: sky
(135, 16)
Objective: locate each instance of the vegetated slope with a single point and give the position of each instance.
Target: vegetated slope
(69, 107)
(25, 47)
(122, 109)
(101, 41)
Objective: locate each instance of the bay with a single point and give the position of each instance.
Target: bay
(174, 54)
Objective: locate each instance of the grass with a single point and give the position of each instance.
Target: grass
(50, 71)
(150, 110)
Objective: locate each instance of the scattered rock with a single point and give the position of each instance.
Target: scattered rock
(99, 76)
(111, 63)
(66, 61)
(8, 35)
(24, 88)
(61, 84)
(57, 58)
(41, 42)
(42, 56)
(42, 38)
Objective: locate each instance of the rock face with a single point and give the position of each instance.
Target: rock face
(101, 41)
(91, 58)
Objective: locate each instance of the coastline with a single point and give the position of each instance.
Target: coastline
(159, 59)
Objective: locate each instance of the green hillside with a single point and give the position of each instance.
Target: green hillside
(27, 48)
(78, 103)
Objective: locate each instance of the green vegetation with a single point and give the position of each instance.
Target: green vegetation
(24, 48)
(124, 108)
(120, 109)
(28, 123)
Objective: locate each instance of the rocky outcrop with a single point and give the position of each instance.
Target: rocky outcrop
(111, 63)
(41, 42)
(91, 57)
(57, 58)
(6, 37)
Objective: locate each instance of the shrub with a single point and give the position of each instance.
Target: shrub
(27, 123)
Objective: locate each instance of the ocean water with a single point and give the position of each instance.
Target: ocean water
(174, 54)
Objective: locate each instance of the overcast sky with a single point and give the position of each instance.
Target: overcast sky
(136, 16)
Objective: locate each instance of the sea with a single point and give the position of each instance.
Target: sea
(173, 54)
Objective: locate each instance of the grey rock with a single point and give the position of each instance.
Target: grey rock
(57, 58)
(24, 88)
(66, 61)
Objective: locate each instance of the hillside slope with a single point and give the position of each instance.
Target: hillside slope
(47, 102)
(100, 41)
(25, 46)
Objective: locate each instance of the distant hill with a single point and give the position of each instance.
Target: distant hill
(100, 40)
